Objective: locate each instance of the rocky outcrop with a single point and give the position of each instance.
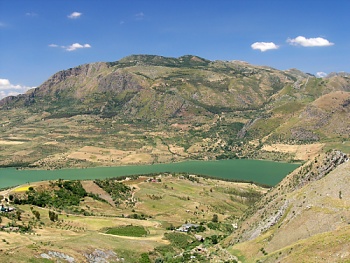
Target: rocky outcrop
(100, 256)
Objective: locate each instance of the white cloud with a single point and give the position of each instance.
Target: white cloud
(321, 74)
(76, 46)
(4, 83)
(8, 89)
(74, 15)
(309, 42)
(264, 46)
(72, 47)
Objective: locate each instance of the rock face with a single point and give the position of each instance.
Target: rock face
(58, 256)
(96, 256)
(100, 256)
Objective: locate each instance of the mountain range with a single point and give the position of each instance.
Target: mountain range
(162, 109)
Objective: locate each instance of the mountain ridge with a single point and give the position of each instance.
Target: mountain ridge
(204, 109)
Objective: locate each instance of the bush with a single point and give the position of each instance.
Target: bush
(145, 258)
(179, 240)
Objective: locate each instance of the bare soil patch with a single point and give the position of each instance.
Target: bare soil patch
(3, 142)
(301, 152)
(97, 154)
(91, 187)
(137, 158)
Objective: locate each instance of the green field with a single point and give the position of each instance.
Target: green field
(129, 231)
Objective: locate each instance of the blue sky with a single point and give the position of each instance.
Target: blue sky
(40, 37)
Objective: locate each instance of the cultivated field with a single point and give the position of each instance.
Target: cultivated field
(158, 204)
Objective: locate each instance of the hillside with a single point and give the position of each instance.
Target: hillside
(122, 221)
(151, 109)
(304, 218)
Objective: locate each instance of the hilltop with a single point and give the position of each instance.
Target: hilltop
(151, 109)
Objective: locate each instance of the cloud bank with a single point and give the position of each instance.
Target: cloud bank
(8, 89)
(264, 46)
(309, 42)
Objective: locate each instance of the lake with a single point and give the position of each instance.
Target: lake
(263, 172)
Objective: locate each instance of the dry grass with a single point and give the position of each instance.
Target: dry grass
(300, 152)
(332, 100)
(3, 142)
(316, 223)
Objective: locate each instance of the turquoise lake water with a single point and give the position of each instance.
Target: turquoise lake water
(263, 172)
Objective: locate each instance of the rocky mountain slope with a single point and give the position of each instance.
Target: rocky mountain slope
(170, 109)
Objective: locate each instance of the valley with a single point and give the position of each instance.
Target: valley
(146, 112)
(146, 218)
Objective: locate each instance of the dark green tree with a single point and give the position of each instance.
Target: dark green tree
(53, 216)
(36, 214)
(18, 215)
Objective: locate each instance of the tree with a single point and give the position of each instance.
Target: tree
(18, 215)
(36, 214)
(215, 218)
(214, 239)
(17, 201)
(53, 216)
